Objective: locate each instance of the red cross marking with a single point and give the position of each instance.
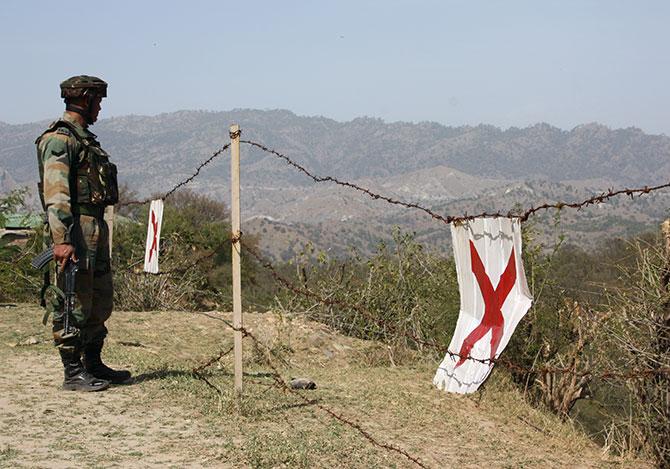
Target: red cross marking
(154, 243)
(493, 300)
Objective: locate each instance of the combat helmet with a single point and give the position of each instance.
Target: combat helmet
(83, 85)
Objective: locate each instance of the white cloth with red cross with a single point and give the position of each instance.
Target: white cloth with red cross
(494, 298)
(153, 236)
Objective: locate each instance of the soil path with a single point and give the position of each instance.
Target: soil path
(46, 427)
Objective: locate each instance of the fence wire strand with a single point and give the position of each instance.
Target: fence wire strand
(181, 184)
(523, 216)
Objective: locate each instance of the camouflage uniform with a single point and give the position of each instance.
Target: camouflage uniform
(74, 219)
(77, 182)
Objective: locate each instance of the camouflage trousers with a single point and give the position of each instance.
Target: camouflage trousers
(93, 284)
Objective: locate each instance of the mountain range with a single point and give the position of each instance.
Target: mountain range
(451, 170)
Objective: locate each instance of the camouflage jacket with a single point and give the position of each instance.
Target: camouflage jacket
(57, 150)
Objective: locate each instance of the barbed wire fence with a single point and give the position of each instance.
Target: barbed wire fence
(523, 215)
(180, 184)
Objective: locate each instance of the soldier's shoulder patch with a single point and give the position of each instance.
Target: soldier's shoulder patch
(64, 131)
(55, 146)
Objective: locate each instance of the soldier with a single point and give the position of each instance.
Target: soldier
(77, 182)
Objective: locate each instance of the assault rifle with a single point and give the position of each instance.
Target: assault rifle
(70, 270)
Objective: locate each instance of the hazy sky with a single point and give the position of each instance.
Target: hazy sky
(506, 63)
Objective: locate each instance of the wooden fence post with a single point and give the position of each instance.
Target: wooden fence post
(235, 227)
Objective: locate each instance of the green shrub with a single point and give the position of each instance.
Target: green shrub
(402, 295)
(195, 257)
(18, 281)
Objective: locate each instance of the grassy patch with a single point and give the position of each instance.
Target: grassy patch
(7, 453)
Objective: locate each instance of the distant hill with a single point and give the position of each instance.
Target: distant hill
(424, 162)
(363, 147)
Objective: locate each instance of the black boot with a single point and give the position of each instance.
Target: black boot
(94, 365)
(76, 376)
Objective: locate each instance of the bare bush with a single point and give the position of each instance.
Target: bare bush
(635, 336)
(556, 333)
(559, 391)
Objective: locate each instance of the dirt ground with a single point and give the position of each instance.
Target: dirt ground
(170, 418)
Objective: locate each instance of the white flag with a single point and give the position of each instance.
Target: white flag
(153, 236)
(494, 298)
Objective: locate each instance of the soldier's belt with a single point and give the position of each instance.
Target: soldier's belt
(96, 211)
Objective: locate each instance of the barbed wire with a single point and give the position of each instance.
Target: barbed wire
(197, 370)
(182, 270)
(338, 416)
(130, 268)
(180, 184)
(213, 360)
(603, 197)
(523, 216)
(286, 387)
(503, 361)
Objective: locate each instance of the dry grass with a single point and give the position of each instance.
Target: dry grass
(169, 418)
